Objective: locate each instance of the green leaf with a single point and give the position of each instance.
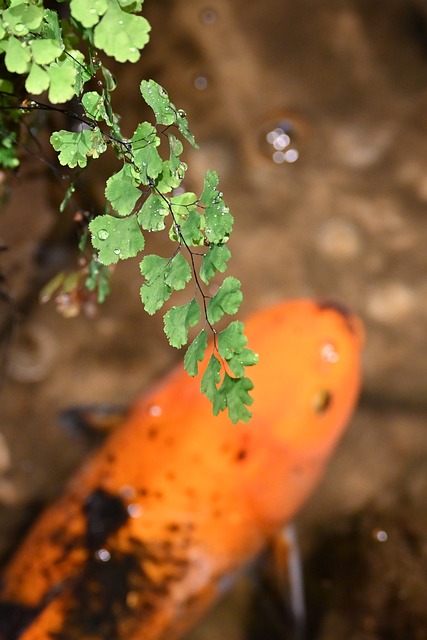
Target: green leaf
(191, 229)
(152, 213)
(121, 191)
(219, 221)
(68, 194)
(214, 260)
(88, 13)
(183, 204)
(178, 321)
(121, 35)
(231, 347)
(62, 79)
(94, 105)
(22, 18)
(196, 353)
(164, 110)
(144, 148)
(98, 279)
(116, 238)
(8, 147)
(75, 147)
(163, 275)
(50, 27)
(45, 50)
(110, 81)
(157, 98)
(178, 272)
(226, 300)
(132, 5)
(155, 291)
(240, 360)
(176, 148)
(231, 340)
(182, 124)
(17, 57)
(210, 379)
(37, 80)
(234, 394)
(168, 179)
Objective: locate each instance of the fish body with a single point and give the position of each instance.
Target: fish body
(152, 528)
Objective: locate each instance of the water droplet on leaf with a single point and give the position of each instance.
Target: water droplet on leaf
(103, 234)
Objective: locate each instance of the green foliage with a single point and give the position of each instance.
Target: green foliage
(45, 55)
(178, 320)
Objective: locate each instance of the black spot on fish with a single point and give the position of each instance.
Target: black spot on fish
(152, 433)
(14, 619)
(105, 513)
(322, 401)
(241, 455)
(113, 596)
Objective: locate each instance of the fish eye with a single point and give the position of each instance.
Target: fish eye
(322, 401)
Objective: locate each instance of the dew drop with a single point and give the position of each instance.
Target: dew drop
(19, 28)
(120, 22)
(163, 92)
(182, 113)
(103, 234)
(132, 49)
(92, 11)
(117, 252)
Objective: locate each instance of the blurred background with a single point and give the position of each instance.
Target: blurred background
(314, 114)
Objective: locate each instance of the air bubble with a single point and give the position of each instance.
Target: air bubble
(329, 353)
(280, 139)
(208, 16)
(103, 555)
(134, 510)
(200, 82)
(155, 410)
(103, 234)
(380, 535)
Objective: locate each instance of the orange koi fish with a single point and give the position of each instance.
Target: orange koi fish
(176, 501)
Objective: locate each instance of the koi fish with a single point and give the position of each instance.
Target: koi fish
(176, 501)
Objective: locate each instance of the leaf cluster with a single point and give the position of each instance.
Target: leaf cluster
(145, 195)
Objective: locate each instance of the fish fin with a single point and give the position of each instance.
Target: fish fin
(280, 600)
(93, 422)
